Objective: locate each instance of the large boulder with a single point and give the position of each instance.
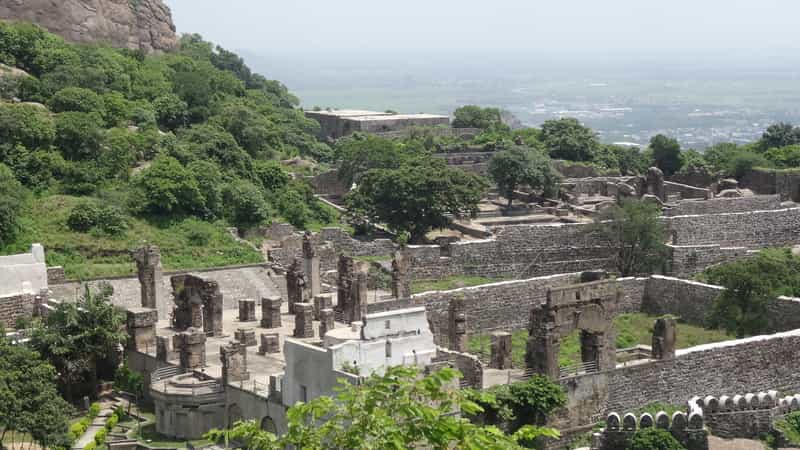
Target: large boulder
(138, 25)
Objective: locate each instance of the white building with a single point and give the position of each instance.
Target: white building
(23, 273)
(393, 338)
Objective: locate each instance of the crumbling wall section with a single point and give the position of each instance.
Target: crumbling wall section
(723, 205)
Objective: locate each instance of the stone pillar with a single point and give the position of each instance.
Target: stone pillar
(303, 320)
(458, 325)
(326, 321)
(212, 308)
(344, 285)
(401, 284)
(270, 343)
(271, 312)
(664, 338)
(541, 353)
(141, 327)
(198, 304)
(245, 336)
(311, 267)
(358, 297)
(324, 301)
(295, 285)
(148, 266)
(191, 348)
(234, 362)
(655, 183)
(164, 351)
(501, 350)
(247, 310)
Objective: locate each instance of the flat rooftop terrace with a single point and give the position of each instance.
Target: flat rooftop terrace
(364, 116)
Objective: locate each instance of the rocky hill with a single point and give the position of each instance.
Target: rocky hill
(133, 24)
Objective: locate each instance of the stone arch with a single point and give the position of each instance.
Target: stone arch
(234, 414)
(268, 425)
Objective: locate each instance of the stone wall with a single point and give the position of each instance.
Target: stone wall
(757, 229)
(15, 306)
(469, 365)
(724, 205)
(685, 191)
(785, 183)
(236, 283)
(689, 259)
(748, 365)
(340, 241)
(328, 183)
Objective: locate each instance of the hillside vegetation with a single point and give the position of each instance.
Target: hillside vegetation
(103, 149)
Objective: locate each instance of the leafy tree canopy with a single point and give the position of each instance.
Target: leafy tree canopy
(633, 232)
(398, 410)
(569, 139)
(654, 439)
(666, 154)
(519, 166)
(472, 116)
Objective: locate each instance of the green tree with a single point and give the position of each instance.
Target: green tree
(666, 154)
(171, 112)
(244, 204)
(523, 166)
(568, 139)
(167, 187)
(78, 100)
(11, 199)
(76, 337)
(397, 410)
(654, 439)
(29, 401)
(743, 161)
(79, 136)
(417, 197)
(784, 157)
(472, 116)
(634, 234)
(271, 175)
(27, 125)
(779, 135)
(359, 153)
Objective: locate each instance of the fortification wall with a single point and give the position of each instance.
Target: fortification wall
(722, 205)
(785, 183)
(15, 306)
(749, 365)
(756, 229)
(685, 191)
(690, 259)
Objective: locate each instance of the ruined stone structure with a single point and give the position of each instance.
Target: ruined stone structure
(270, 343)
(664, 338)
(344, 285)
(458, 326)
(141, 329)
(191, 348)
(271, 312)
(247, 310)
(401, 283)
(588, 307)
(303, 320)
(322, 302)
(295, 285)
(148, 266)
(358, 298)
(234, 362)
(326, 321)
(164, 350)
(198, 304)
(311, 267)
(246, 337)
(338, 123)
(686, 427)
(501, 350)
(655, 183)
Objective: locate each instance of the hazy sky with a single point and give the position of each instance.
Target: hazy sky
(598, 25)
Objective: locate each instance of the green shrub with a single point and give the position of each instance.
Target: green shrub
(94, 410)
(100, 437)
(654, 439)
(83, 217)
(87, 216)
(90, 446)
(76, 430)
(112, 422)
(790, 425)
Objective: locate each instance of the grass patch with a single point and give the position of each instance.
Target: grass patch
(632, 329)
(454, 282)
(185, 244)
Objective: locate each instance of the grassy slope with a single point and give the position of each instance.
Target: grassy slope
(185, 244)
(455, 282)
(632, 329)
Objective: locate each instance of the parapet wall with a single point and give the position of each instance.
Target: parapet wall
(785, 183)
(686, 191)
(745, 415)
(756, 229)
(724, 205)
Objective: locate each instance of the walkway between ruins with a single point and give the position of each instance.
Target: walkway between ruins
(99, 422)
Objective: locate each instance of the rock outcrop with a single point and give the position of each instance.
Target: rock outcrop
(133, 24)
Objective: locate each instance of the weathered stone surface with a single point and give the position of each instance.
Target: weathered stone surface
(141, 25)
(247, 310)
(664, 338)
(295, 285)
(148, 266)
(234, 362)
(458, 325)
(401, 283)
(141, 329)
(191, 348)
(198, 304)
(501, 350)
(270, 343)
(303, 320)
(326, 321)
(322, 302)
(311, 267)
(164, 350)
(655, 183)
(271, 312)
(246, 336)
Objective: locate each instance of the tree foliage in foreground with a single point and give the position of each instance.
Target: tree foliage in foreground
(397, 410)
(654, 439)
(417, 197)
(520, 166)
(29, 401)
(635, 235)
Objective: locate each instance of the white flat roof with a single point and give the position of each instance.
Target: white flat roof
(364, 115)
